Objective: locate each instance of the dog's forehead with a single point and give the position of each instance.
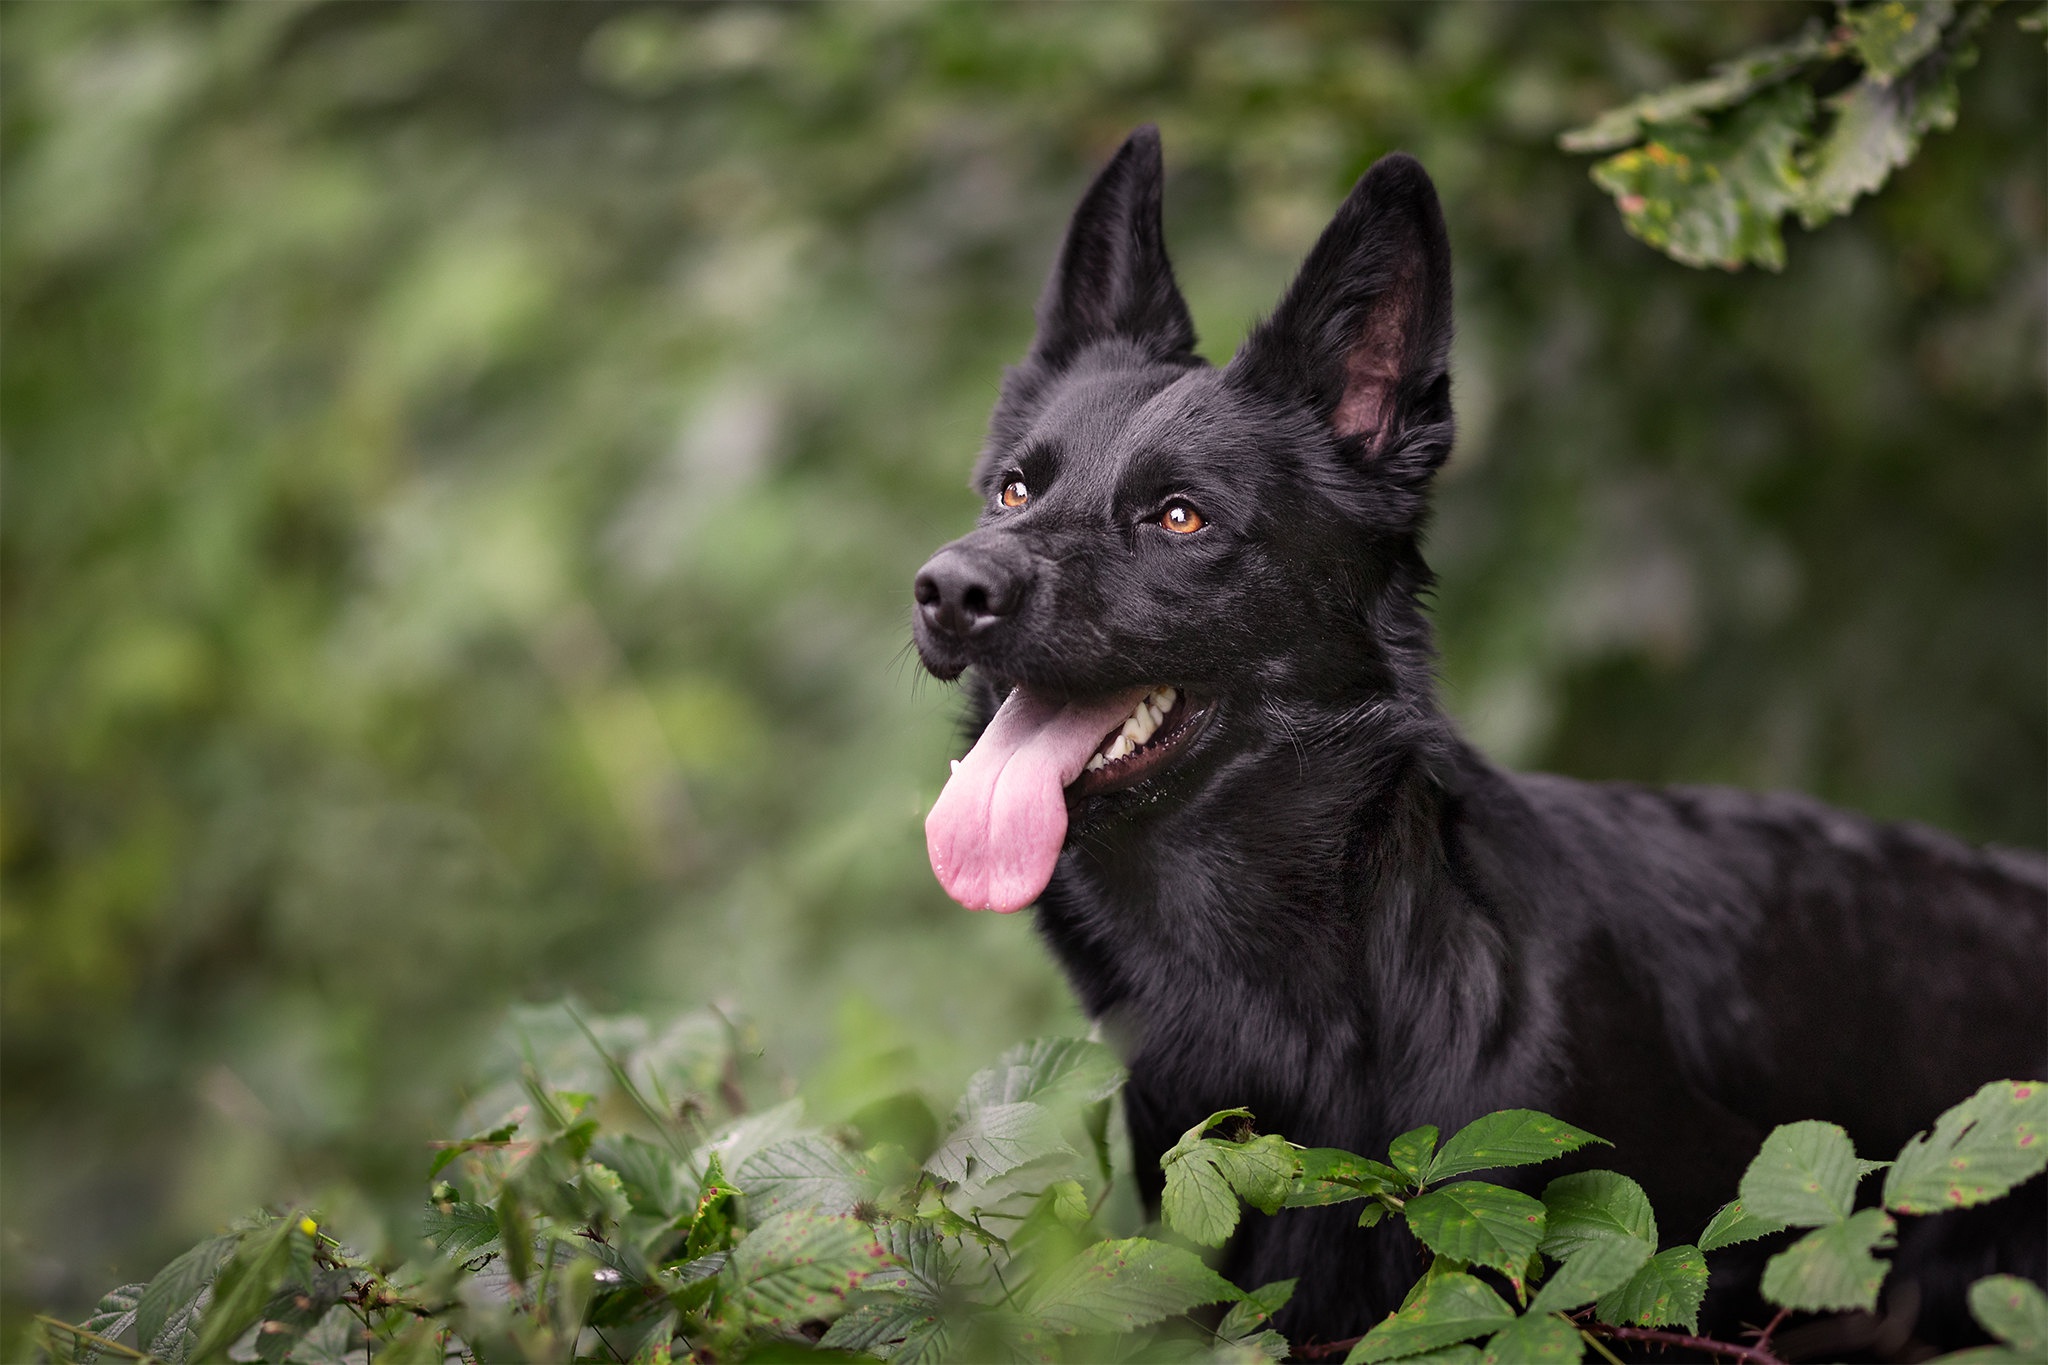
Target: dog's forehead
(1099, 421)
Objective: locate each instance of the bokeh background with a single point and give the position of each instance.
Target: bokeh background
(464, 464)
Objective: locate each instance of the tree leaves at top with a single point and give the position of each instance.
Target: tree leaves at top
(1724, 159)
(1510, 1137)
(1805, 1175)
(1978, 1150)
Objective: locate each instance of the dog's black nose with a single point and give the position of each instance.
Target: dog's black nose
(962, 591)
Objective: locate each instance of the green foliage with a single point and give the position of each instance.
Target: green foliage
(1512, 1137)
(1722, 160)
(1978, 1150)
(1831, 1267)
(1207, 1177)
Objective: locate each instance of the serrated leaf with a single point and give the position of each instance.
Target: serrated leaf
(995, 1139)
(1878, 127)
(1595, 1269)
(1666, 1292)
(1261, 1171)
(1044, 1070)
(1462, 1354)
(1534, 1338)
(1116, 1286)
(1255, 1307)
(249, 1280)
(1831, 1268)
(654, 1180)
(2013, 1310)
(1731, 82)
(1713, 196)
(1452, 1308)
(1732, 1224)
(878, 1324)
(1588, 1208)
(1511, 1137)
(172, 1298)
(1330, 1175)
(798, 1266)
(1891, 36)
(1198, 1202)
(1804, 1176)
(1411, 1152)
(115, 1314)
(806, 1172)
(1479, 1224)
(1978, 1150)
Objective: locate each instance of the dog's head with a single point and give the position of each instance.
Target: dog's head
(1163, 542)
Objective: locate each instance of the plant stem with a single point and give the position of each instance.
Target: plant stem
(1759, 1354)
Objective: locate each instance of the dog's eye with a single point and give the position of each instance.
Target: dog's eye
(1181, 519)
(1015, 494)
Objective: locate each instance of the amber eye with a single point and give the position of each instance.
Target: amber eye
(1015, 494)
(1182, 519)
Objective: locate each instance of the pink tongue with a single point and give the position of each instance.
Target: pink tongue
(996, 830)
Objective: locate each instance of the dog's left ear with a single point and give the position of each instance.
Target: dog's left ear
(1363, 336)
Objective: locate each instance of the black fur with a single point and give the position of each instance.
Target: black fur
(1336, 912)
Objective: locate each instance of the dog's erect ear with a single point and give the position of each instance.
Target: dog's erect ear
(1112, 278)
(1364, 334)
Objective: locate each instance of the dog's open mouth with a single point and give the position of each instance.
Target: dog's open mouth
(1157, 729)
(997, 829)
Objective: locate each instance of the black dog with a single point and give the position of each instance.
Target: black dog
(1293, 887)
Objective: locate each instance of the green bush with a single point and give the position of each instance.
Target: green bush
(620, 1200)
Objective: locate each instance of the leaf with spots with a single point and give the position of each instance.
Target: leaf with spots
(1116, 1286)
(1255, 1308)
(798, 1266)
(1411, 1151)
(2013, 1310)
(1479, 1224)
(997, 1139)
(807, 1172)
(1832, 1267)
(1666, 1292)
(1045, 1071)
(1597, 1269)
(1206, 1177)
(1805, 1175)
(1451, 1309)
(1735, 1224)
(1511, 1137)
(1589, 1208)
(1983, 1147)
(1329, 1175)
(1891, 36)
(1535, 1337)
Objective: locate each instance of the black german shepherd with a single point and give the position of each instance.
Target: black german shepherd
(1208, 747)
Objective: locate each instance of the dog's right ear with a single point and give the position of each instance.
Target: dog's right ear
(1112, 278)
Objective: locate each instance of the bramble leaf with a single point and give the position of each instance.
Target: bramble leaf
(1891, 36)
(1535, 1337)
(2013, 1310)
(1330, 1175)
(1450, 1309)
(1732, 82)
(1597, 1268)
(1479, 1224)
(1732, 1224)
(1116, 1286)
(1666, 1292)
(167, 1308)
(806, 1172)
(995, 1139)
(114, 1315)
(1206, 1177)
(1045, 1070)
(1591, 1207)
(1511, 1137)
(1805, 1175)
(1978, 1150)
(1255, 1307)
(798, 1266)
(245, 1284)
(1831, 1267)
(1411, 1151)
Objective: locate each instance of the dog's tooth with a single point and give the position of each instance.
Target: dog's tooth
(1134, 731)
(956, 765)
(1096, 762)
(1165, 697)
(1122, 746)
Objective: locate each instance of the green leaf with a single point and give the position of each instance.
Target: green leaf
(1045, 1071)
(2013, 1310)
(711, 1220)
(1878, 127)
(1206, 1177)
(1831, 1268)
(806, 1172)
(1329, 1175)
(878, 1323)
(1805, 1175)
(1116, 1286)
(1590, 1208)
(1198, 1202)
(1891, 36)
(1735, 1224)
(1714, 196)
(1511, 1137)
(1533, 1338)
(115, 1314)
(1666, 1292)
(1255, 1307)
(1595, 1269)
(1978, 1150)
(1452, 1308)
(259, 1268)
(1479, 1224)
(995, 1139)
(1463, 1353)
(797, 1266)
(1411, 1152)
(1732, 82)
(165, 1313)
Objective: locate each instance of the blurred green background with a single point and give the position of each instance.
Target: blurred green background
(464, 466)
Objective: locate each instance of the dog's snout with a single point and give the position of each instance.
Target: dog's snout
(962, 592)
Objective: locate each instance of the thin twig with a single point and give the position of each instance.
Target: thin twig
(103, 1343)
(1601, 1347)
(1327, 1349)
(1753, 1355)
(1763, 1338)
